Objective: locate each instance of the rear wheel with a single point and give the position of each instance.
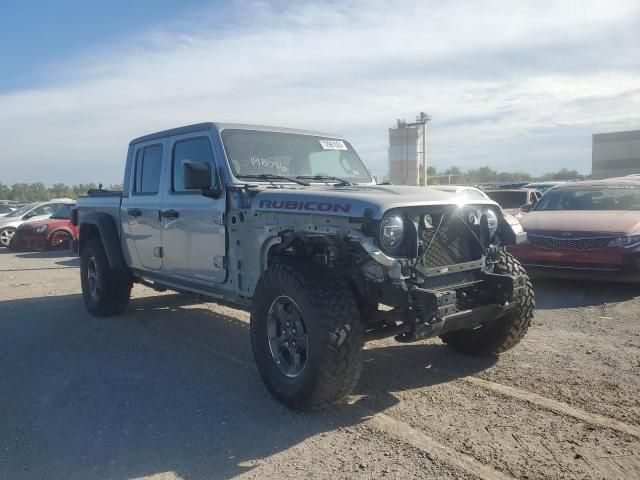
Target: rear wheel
(6, 234)
(505, 332)
(106, 291)
(59, 239)
(306, 334)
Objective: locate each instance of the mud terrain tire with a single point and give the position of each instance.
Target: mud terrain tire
(505, 332)
(332, 325)
(106, 290)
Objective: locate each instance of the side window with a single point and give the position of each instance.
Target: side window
(191, 150)
(47, 209)
(147, 170)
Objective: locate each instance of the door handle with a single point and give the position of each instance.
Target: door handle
(134, 212)
(170, 214)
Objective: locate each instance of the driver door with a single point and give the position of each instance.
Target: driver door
(193, 233)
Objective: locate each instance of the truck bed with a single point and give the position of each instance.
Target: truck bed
(105, 202)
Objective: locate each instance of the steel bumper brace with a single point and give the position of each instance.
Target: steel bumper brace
(434, 312)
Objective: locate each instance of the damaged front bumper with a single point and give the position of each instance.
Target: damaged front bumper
(431, 313)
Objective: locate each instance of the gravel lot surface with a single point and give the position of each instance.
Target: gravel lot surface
(169, 391)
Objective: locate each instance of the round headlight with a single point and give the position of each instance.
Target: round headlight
(492, 220)
(42, 228)
(392, 232)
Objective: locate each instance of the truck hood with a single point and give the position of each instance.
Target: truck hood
(617, 221)
(353, 200)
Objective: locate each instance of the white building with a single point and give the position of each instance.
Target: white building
(615, 154)
(407, 151)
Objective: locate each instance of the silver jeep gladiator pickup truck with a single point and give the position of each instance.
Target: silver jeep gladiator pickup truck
(291, 225)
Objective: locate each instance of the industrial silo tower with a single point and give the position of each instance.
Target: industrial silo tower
(408, 152)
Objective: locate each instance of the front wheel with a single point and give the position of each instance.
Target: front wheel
(306, 334)
(6, 234)
(106, 291)
(505, 332)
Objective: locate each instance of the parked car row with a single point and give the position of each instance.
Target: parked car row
(515, 201)
(38, 226)
(585, 229)
(8, 206)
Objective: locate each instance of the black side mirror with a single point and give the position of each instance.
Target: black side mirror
(27, 216)
(526, 208)
(197, 176)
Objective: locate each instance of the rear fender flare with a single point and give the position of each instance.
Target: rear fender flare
(108, 234)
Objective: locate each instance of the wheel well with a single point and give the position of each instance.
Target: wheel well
(62, 229)
(297, 244)
(331, 251)
(87, 232)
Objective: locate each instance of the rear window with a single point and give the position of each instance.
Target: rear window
(508, 199)
(147, 171)
(63, 212)
(609, 197)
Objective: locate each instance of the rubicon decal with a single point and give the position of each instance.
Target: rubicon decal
(306, 206)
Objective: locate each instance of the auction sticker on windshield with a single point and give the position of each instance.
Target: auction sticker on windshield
(333, 145)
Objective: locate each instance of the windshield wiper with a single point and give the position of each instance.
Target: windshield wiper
(325, 178)
(271, 176)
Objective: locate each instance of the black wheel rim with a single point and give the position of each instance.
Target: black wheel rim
(60, 238)
(93, 279)
(287, 336)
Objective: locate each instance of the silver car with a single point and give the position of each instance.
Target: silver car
(469, 193)
(35, 211)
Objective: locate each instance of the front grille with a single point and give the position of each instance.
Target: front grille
(570, 243)
(451, 244)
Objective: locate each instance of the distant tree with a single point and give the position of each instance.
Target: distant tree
(486, 174)
(453, 170)
(521, 177)
(60, 190)
(83, 188)
(38, 192)
(5, 192)
(21, 192)
(505, 177)
(562, 174)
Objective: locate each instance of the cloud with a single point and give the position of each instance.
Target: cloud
(518, 86)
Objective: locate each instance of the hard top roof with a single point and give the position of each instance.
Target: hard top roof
(491, 190)
(603, 183)
(198, 127)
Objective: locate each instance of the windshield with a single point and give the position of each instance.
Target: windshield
(253, 152)
(20, 211)
(608, 197)
(508, 199)
(63, 212)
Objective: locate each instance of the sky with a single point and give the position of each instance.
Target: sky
(516, 85)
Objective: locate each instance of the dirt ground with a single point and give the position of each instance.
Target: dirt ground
(169, 391)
